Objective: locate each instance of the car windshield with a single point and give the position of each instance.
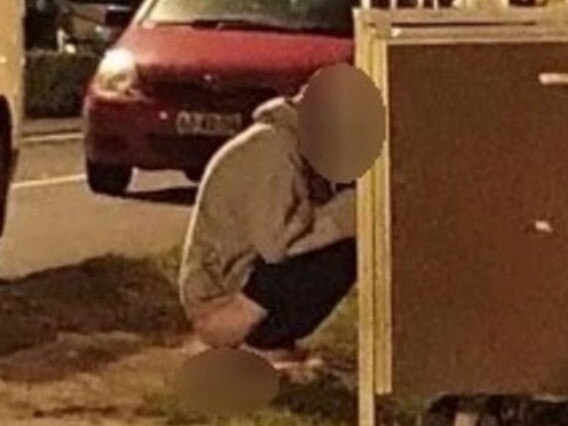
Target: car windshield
(100, 2)
(334, 16)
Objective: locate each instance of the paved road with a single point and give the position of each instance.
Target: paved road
(55, 221)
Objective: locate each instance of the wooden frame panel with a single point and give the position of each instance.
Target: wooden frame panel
(376, 31)
(375, 357)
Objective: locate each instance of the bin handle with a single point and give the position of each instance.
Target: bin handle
(553, 78)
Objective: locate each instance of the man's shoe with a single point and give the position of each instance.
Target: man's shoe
(288, 359)
(194, 346)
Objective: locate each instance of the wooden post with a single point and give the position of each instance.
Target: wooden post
(375, 357)
(365, 248)
(380, 204)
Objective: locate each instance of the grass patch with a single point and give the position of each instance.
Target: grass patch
(110, 306)
(330, 400)
(325, 401)
(337, 337)
(56, 83)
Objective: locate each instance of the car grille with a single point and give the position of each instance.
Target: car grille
(193, 149)
(190, 150)
(201, 98)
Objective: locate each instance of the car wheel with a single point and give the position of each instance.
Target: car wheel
(194, 174)
(107, 178)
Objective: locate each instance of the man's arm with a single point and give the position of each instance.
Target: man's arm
(278, 209)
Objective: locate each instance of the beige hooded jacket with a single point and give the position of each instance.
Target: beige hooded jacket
(254, 202)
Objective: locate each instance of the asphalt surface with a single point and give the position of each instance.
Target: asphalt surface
(50, 126)
(54, 220)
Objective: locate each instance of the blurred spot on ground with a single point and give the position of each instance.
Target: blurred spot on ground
(226, 381)
(325, 401)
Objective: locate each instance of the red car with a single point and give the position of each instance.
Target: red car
(186, 75)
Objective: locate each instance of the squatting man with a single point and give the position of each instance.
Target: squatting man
(271, 247)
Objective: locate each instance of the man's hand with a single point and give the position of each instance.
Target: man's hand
(227, 321)
(334, 222)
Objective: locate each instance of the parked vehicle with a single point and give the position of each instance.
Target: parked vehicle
(40, 24)
(186, 75)
(83, 24)
(11, 77)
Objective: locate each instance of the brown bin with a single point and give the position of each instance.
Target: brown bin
(463, 221)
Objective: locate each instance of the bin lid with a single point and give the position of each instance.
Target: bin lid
(525, 24)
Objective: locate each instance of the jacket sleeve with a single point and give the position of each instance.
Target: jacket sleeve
(333, 222)
(278, 210)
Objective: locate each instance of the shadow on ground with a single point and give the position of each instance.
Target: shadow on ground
(79, 318)
(183, 196)
(326, 398)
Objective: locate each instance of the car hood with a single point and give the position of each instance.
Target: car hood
(280, 60)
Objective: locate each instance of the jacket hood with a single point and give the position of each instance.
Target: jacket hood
(279, 112)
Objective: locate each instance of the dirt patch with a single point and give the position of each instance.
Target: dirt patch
(88, 341)
(97, 296)
(99, 343)
(117, 390)
(69, 354)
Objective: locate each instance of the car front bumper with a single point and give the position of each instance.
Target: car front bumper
(142, 133)
(140, 129)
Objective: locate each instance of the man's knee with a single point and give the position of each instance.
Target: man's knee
(208, 329)
(227, 322)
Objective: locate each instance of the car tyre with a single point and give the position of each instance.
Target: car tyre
(194, 174)
(108, 179)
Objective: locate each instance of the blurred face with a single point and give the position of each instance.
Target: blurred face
(342, 120)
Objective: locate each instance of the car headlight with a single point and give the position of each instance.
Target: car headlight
(117, 72)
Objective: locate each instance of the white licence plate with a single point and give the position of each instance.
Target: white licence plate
(208, 124)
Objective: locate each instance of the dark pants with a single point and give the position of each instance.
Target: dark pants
(300, 293)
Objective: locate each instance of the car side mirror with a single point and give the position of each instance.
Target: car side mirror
(118, 16)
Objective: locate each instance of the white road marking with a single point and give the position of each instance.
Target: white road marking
(60, 180)
(59, 137)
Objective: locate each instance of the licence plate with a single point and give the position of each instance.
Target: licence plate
(208, 124)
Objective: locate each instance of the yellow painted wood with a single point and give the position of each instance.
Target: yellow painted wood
(380, 221)
(555, 14)
(366, 303)
(365, 240)
(12, 59)
(375, 358)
